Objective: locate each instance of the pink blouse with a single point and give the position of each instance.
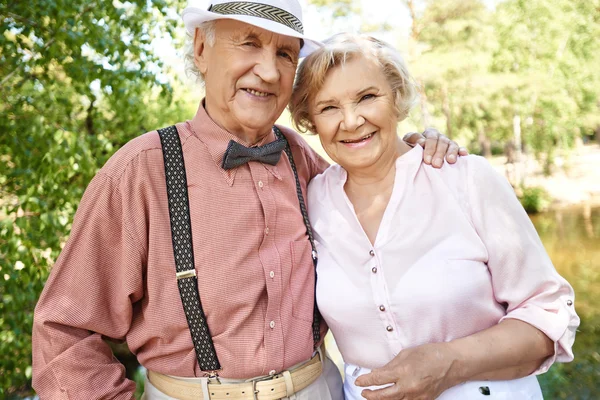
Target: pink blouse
(455, 254)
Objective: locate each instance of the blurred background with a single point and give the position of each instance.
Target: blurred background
(516, 81)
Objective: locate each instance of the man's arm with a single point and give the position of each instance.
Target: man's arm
(88, 296)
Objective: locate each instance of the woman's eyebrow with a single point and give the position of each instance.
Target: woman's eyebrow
(363, 91)
(320, 102)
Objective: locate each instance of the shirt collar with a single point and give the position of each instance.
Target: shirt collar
(216, 140)
(407, 166)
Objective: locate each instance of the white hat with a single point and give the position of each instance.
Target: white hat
(283, 17)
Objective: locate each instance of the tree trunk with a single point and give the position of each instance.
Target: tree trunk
(447, 112)
(484, 144)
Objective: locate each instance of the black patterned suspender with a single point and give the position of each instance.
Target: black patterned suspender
(183, 250)
(181, 233)
(316, 325)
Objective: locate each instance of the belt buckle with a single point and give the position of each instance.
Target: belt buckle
(262, 379)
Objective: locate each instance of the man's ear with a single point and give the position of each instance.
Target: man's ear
(200, 51)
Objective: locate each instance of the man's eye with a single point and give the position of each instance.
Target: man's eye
(286, 55)
(251, 44)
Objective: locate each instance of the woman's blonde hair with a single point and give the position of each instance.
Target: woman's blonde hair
(337, 50)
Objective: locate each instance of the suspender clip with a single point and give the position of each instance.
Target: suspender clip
(185, 274)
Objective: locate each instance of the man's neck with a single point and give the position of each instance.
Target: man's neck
(248, 136)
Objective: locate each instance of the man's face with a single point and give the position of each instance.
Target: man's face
(248, 74)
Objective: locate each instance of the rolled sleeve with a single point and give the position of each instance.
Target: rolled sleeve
(523, 278)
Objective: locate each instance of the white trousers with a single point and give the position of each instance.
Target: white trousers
(526, 388)
(328, 386)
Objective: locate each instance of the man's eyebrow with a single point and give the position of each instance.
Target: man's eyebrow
(290, 47)
(241, 36)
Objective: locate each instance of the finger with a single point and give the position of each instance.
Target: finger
(380, 376)
(430, 146)
(393, 392)
(452, 153)
(463, 151)
(440, 152)
(413, 138)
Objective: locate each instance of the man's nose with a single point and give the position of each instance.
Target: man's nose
(266, 67)
(352, 119)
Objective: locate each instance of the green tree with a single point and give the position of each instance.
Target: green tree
(452, 43)
(551, 50)
(77, 80)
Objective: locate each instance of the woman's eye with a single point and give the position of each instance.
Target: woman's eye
(327, 108)
(251, 44)
(367, 97)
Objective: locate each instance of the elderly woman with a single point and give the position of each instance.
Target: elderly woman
(458, 303)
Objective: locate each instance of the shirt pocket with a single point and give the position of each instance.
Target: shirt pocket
(302, 280)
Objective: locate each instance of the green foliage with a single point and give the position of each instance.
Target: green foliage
(77, 80)
(480, 67)
(338, 8)
(534, 199)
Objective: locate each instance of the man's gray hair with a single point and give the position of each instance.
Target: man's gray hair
(190, 67)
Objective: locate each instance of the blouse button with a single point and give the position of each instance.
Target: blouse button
(569, 302)
(371, 253)
(389, 328)
(272, 274)
(382, 308)
(272, 324)
(374, 270)
(260, 184)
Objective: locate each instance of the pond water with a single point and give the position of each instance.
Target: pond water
(572, 239)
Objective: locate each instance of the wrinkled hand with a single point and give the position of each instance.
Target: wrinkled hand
(418, 373)
(436, 147)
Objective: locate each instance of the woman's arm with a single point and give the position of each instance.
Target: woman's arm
(510, 350)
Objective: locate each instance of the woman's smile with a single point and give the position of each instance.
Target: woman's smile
(358, 143)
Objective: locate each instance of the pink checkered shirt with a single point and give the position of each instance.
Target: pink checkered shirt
(115, 277)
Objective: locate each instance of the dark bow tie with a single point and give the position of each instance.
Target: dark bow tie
(238, 154)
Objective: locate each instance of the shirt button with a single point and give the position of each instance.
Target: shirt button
(260, 184)
(272, 324)
(569, 302)
(266, 230)
(389, 328)
(272, 274)
(382, 308)
(374, 270)
(371, 253)
(272, 372)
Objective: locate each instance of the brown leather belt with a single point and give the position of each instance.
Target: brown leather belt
(273, 387)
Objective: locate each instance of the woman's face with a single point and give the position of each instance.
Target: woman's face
(354, 115)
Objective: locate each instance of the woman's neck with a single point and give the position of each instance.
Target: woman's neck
(377, 178)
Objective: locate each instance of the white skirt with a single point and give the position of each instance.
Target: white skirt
(526, 388)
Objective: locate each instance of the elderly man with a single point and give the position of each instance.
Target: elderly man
(211, 206)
